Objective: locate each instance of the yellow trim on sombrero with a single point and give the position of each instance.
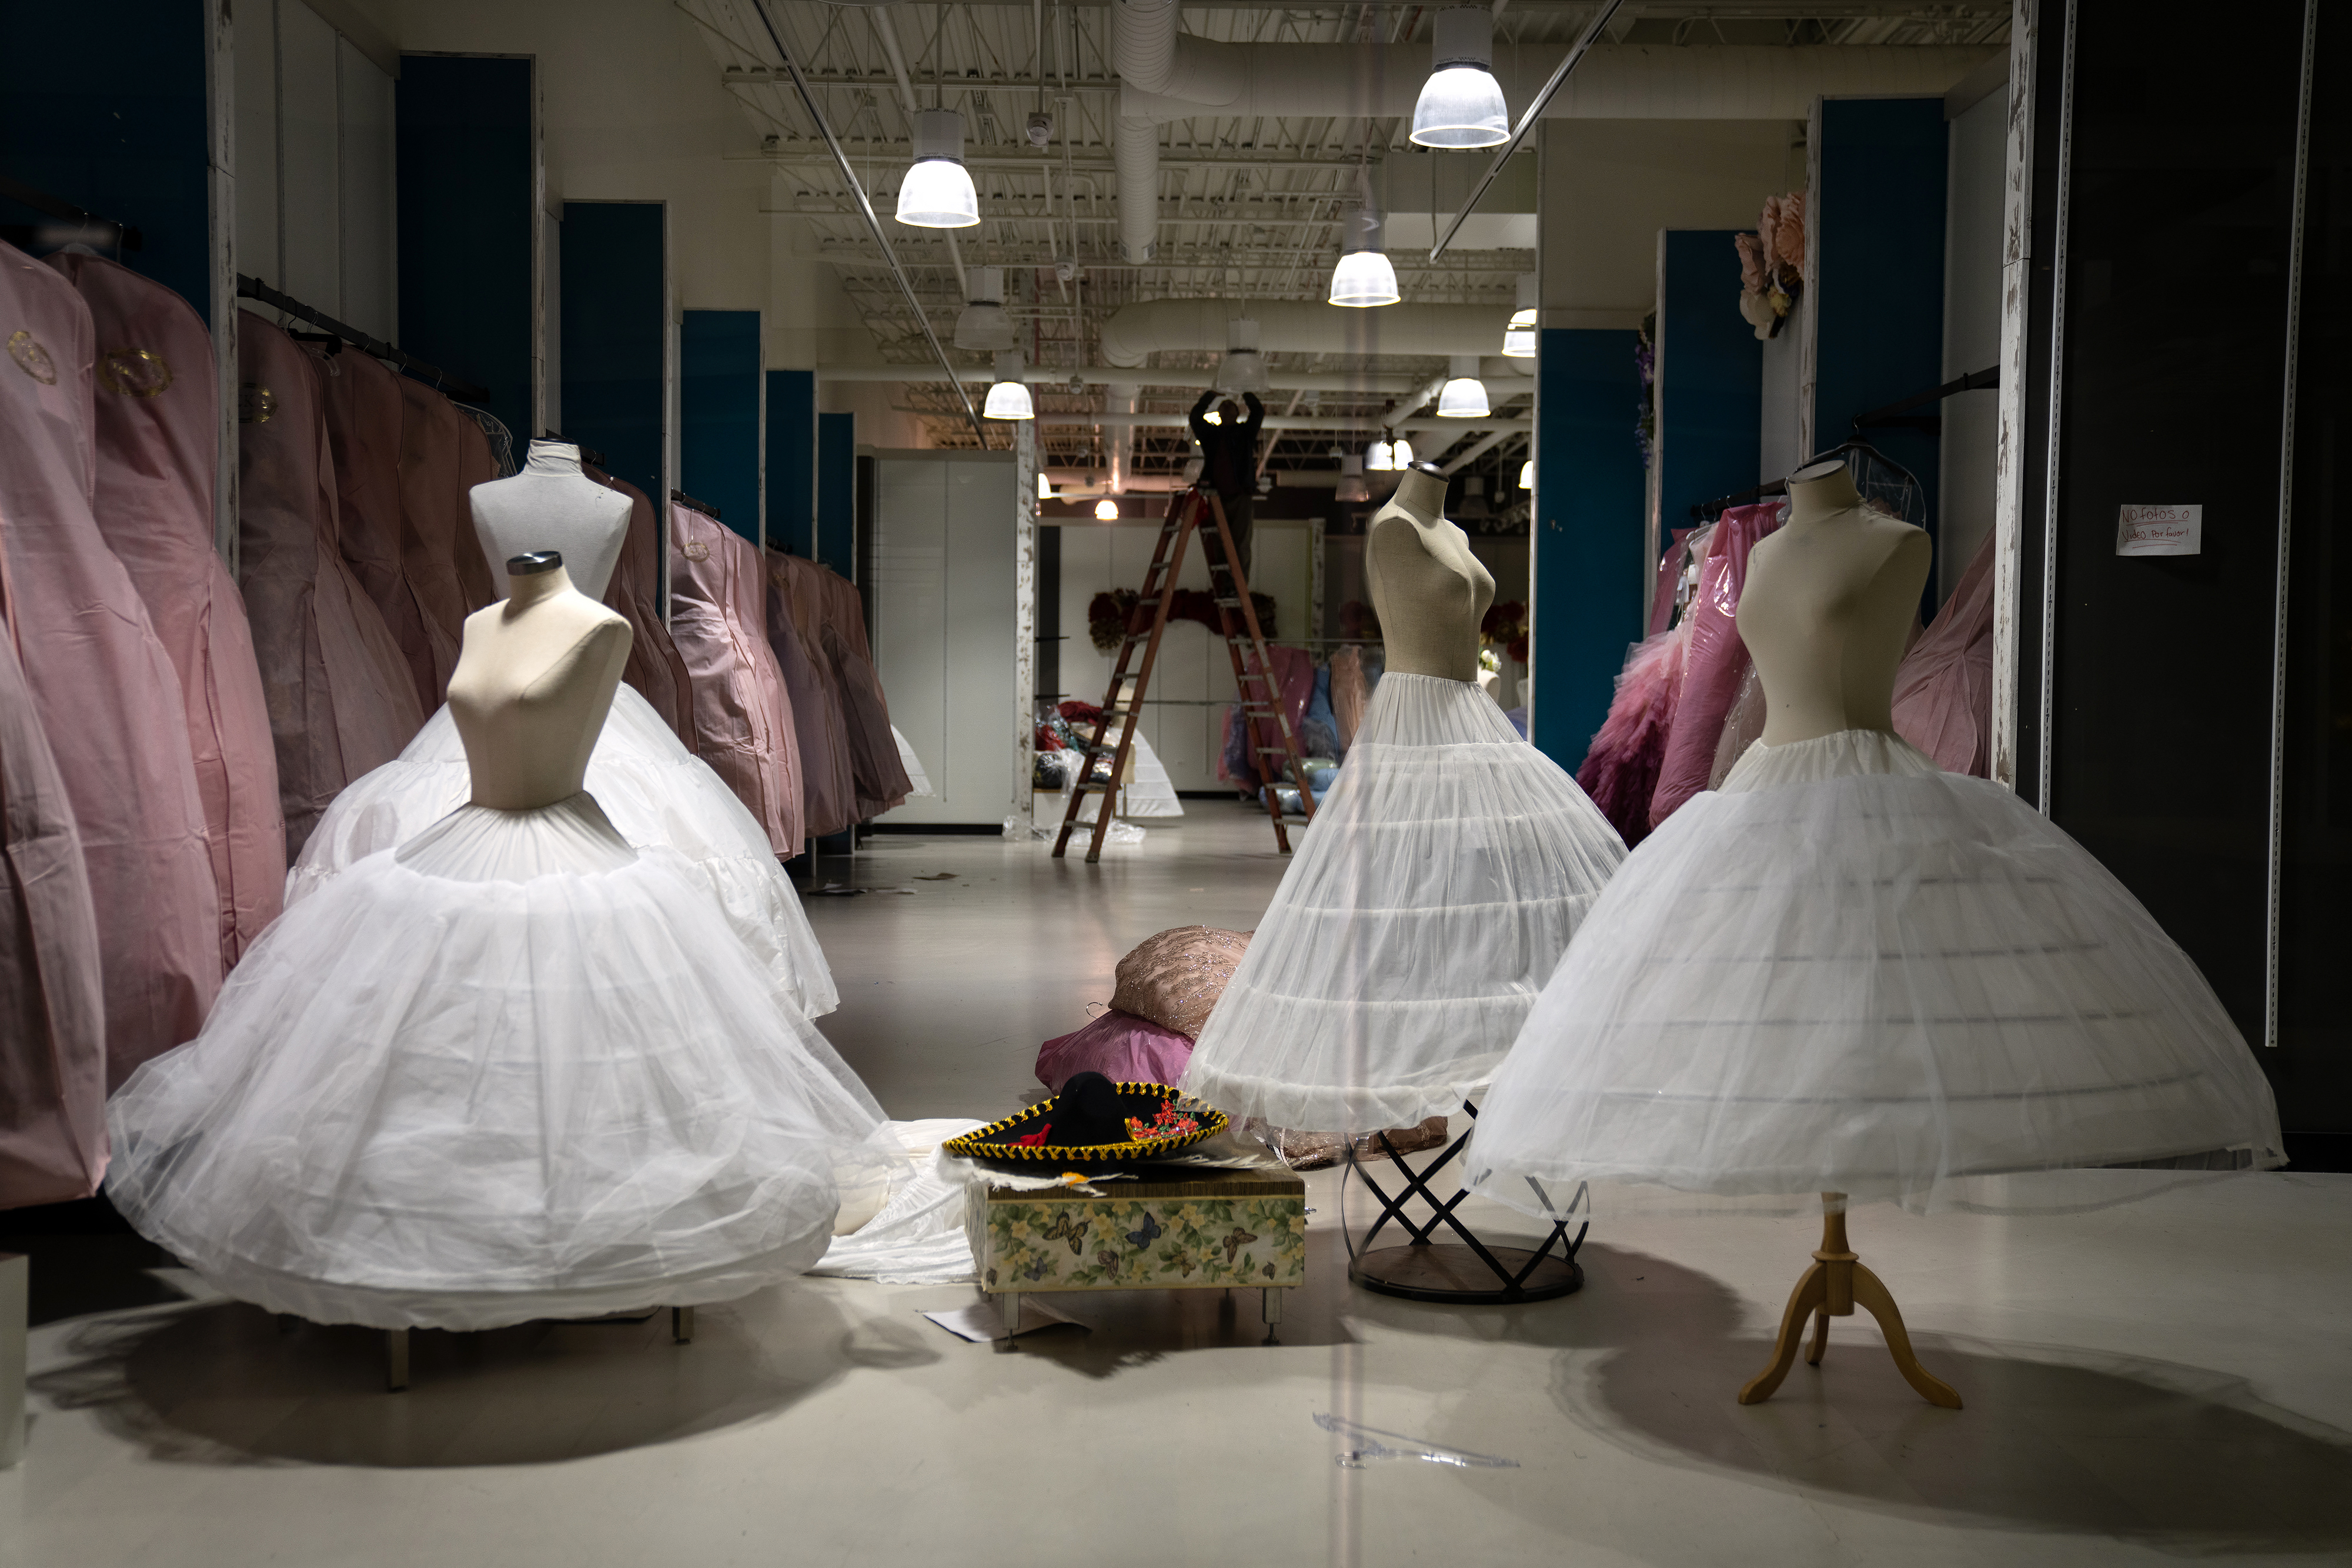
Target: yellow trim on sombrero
(982, 1140)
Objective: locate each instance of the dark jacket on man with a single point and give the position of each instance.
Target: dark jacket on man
(1228, 452)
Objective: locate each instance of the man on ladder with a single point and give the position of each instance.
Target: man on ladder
(1229, 466)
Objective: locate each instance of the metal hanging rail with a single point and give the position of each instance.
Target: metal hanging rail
(865, 207)
(680, 498)
(126, 237)
(1527, 118)
(464, 390)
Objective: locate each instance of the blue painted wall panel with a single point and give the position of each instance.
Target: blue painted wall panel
(1590, 581)
(1711, 376)
(468, 215)
(792, 461)
(1879, 298)
(836, 492)
(105, 108)
(614, 301)
(718, 414)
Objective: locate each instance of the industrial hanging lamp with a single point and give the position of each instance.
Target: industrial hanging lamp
(1461, 104)
(1352, 486)
(1401, 454)
(1463, 396)
(1380, 457)
(1518, 338)
(937, 193)
(1363, 280)
(1106, 510)
(984, 325)
(1243, 369)
(1527, 474)
(1009, 399)
(1044, 485)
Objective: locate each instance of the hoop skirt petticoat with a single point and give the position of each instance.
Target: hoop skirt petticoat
(1431, 898)
(1847, 971)
(516, 1070)
(653, 790)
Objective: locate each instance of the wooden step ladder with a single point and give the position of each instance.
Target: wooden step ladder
(1261, 700)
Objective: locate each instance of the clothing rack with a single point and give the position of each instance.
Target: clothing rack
(464, 392)
(126, 237)
(680, 498)
(588, 454)
(1707, 511)
(1931, 423)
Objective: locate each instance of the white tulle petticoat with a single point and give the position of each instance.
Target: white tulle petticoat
(515, 1070)
(653, 790)
(1428, 903)
(1847, 971)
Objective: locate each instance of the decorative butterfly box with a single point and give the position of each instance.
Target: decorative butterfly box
(1227, 1229)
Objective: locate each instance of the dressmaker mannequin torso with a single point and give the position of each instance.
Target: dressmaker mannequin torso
(551, 506)
(1428, 590)
(533, 684)
(1827, 607)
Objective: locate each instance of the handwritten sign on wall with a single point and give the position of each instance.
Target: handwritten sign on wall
(2159, 530)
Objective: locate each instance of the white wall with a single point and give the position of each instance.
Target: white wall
(1971, 330)
(315, 196)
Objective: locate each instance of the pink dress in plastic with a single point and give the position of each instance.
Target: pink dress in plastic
(52, 1008)
(363, 425)
(1620, 770)
(1715, 660)
(655, 671)
(341, 700)
(820, 726)
(158, 450)
(104, 687)
(742, 719)
(1943, 693)
(1662, 596)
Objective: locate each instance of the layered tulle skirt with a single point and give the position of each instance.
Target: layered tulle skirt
(1847, 971)
(1429, 901)
(515, 1070)
(653, 790)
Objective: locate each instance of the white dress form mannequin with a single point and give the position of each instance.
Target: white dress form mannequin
(551, 506)
(1428, 590)
(533, 684)
(1828, 607)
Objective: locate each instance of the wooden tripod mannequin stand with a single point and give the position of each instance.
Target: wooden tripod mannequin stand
(1831, 1287)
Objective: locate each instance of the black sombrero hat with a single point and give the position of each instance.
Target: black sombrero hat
(1092, 1126)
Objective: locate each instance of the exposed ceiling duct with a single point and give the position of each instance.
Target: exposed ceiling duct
(1167, 77)
(1126, 376)
(1132, 333)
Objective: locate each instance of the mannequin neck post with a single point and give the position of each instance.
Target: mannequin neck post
(1823, 490)
(554, 460)
(537, 587)
(1422, 493)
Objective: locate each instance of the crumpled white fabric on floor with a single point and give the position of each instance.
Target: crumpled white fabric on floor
(1432, 897)
(1847, 971)
(919, 1238)
(432, 1098)
(655, 791)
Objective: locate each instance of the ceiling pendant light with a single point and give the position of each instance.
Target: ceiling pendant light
(936, 193)
(984, 325)
(1401, 456)
(1519, 337)
(1045, 486)
(1380, 457)
(1106, 510)
(1009, 399)
(1243, 369)
(1463, 396)
(1352, 486)
(1461, 104)
(1363, 280)
(1527, 474)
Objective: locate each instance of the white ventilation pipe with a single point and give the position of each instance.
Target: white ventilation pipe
(1128, 376)
(1164, 76)
(1132, 333)
(1119, 433)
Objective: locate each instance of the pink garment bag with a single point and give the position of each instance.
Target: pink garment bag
(653, 669)
(1943, 693)
(820, 728)
(363, 408)
(341, 700)
(1715, 660)
(158, 408)
(52, 1006)
(742, 719)
(105, 689)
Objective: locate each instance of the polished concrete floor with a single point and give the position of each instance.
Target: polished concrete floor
(2166, 1379)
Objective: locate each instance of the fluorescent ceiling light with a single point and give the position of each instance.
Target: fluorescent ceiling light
(936, 193)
